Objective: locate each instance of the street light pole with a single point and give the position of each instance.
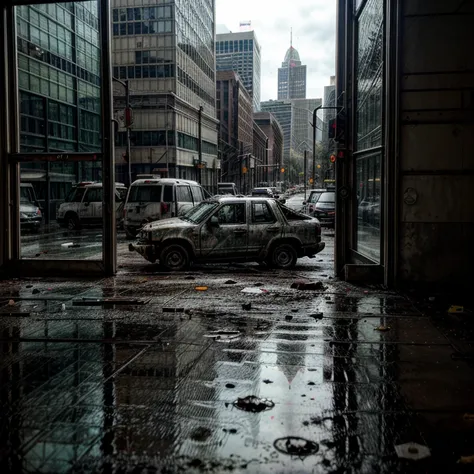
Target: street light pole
(315, 111)
(129, 152)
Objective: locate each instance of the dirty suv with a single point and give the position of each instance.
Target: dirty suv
(231, 229)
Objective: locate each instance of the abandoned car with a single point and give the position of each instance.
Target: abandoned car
(231, 229)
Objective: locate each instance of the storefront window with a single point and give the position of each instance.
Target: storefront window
(369, 139)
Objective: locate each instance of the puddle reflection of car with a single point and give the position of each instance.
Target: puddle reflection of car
(31, 215)
(230, 229)
(325, 208)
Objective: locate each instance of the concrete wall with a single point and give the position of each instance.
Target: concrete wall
(436, 232)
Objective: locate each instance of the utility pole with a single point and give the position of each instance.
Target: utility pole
(128, 123)
(200, 144)
(315, 111)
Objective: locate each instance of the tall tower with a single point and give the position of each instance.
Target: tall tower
(291, 75)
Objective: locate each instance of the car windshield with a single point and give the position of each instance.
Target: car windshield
(327, 197)
(25, 195)
(200, 212)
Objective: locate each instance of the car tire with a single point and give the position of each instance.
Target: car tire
(283, 256)
(174, 257)
(130, 234)
(72, 222)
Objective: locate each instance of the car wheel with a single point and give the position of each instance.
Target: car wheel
(72, 222)
(283, 256)
(174, 257)
(130, 233)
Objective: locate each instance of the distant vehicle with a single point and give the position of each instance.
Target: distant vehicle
(83, 206)
(227, 188)
(149, 200)
(325, 208)
(228, 229)
(310, 203)
(31, 214)
(263, 192)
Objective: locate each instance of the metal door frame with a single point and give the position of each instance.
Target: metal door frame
(10, 158)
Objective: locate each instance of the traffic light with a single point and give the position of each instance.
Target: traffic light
(332, 128)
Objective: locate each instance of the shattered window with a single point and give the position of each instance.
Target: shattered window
(293, 215)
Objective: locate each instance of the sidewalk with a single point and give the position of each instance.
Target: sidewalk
(158, 383)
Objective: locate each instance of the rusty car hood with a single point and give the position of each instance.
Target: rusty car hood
(175, 223)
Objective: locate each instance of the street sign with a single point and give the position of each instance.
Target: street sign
(244, 169)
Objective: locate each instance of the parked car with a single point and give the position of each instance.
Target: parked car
(263, 192)
(83, 205)
(227, 188)
(230, 229)
(310, 204)
(149, 200)
(325, 208)
(31, 214)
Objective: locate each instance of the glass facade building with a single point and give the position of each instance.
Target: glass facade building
(292, 77)
(166, 52)
(240, 52)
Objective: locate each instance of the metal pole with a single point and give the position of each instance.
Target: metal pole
(315, 111)
(200, 144)
(127, 101)
(166, 143)
(305, 173)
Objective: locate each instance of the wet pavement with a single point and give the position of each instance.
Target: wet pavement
(144, 372)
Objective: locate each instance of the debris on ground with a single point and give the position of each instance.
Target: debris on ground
(230, 282)
(267, 381)
(229, 385)
(413, 451)
(35, 291)
(456, 309)
(466, 459)
(201, 434)
(253, 404)
(201, 288)
(223, 335)
(382, 328)
(309, 286)
(254, 291)
(11, 303)
(316, 315)
(258, 284)
(288, 317)
(189, 277)
(295, 446)
(247, 306)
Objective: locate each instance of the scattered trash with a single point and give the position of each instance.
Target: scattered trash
(466, 459)
(230, 282)
(456, 309)
(231, 430)
(316, 315)
(201, 434)
(301, 285)
(382, 328)
(253, 404)
(366, 292)
(288, 317)
(189, 277)
(295, 446)
(223, 336)
(311, 383)
(63, 307)
(29, 286)
(201, 288)
(35, 291)
(268, 381)
(413, 451)
(255, 291)
(11, 303)
(229, 385)
(258, 284)
(247, 306)
(173, 310)
(294, 310)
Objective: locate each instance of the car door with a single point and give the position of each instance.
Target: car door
(184, 198)
(228, 238)
(85, 209)
(264, 227)
(95, 205)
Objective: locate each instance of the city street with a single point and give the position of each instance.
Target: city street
(226, 368)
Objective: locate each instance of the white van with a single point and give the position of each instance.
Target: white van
(83, 205)
(160, 198)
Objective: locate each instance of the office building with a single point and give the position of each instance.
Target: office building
(166, 52)
(292, 76)
(240, 52)
(270, 173)
(234, 112)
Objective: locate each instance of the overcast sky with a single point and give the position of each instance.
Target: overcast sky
(314, 30)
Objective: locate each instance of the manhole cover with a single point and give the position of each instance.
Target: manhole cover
(254, 404)
(295, 446)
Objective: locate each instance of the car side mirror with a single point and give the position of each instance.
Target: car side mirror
(214, 221)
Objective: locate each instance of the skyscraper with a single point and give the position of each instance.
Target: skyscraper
(291, 76)
(240, 52)
(166, 52)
